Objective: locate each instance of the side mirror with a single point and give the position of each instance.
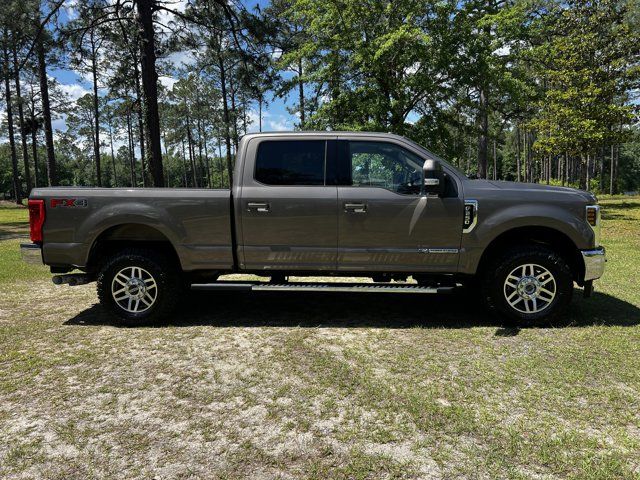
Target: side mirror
(433, 177)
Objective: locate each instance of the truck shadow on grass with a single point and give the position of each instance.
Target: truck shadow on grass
(371, 310)
(9, 230)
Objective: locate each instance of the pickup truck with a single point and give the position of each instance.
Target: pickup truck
(330, 204)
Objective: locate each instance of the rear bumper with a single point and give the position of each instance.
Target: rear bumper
(594, 261)
(31, 253)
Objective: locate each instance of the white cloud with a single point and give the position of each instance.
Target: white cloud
(279, 125)
(71, 9)
(412, 69)
(502, 51)
(167, 81)
(74, 91)
(254, 125)
(184, 58)
(164, 17)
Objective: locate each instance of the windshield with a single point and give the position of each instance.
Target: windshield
(433, 156)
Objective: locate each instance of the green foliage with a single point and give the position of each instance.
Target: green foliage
(370, 60)
(590, 67)
(629, 164)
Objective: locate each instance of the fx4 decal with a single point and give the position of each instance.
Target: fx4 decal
(69, 202)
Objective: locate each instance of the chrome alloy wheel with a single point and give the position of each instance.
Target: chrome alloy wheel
(134, 289)
(529, 288)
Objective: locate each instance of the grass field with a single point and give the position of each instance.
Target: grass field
(319, 385)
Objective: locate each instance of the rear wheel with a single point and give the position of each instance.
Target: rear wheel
(139, 286)
(528, 285)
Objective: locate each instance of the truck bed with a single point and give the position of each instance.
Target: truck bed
(197, 222)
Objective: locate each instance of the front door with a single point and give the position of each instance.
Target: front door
(288, 212)
(384, 222)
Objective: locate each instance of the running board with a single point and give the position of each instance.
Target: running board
(321, 287)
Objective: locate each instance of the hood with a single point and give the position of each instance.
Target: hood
(533, 189)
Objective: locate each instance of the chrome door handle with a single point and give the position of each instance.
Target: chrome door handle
(258, 207)
(355, 207)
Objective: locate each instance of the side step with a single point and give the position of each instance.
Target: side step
(321, 287)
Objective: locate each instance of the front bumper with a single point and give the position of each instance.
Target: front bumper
(31, 253)
(594, 261)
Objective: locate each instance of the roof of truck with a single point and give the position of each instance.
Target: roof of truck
(323, 133)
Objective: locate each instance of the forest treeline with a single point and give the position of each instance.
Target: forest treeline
(525, 90)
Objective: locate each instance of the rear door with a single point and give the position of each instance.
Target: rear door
(288, 211)
(384, 222)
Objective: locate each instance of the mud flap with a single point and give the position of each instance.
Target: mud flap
(588, 288)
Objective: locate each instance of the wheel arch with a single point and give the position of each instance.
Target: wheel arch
(540, 235)
(128, 235)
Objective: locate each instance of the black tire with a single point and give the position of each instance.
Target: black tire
(166, 277)
(532, 285)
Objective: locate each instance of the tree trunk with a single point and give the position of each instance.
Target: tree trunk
(571, 169)
(23, 133)
(202, 170)
(113, 157)
(150, 88)
(495, 161)
(525, 157)
(612, 174)
(548, 171)
(483, 125)
(588, 172)
(468, 164)
(34, 151)
(206, 157)
(17, 188)
(139, 113)
(518, 163)
(301, 94)
(192, 160)
(220, 162)
(34, 139)
(244, 114)
(260, 114)
(601, 168)
(96, 111)
(232, 91)
(52, 176)
(616, 169)
(132, 161)
(184, 165)
(225, 114)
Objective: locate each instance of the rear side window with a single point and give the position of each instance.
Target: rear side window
(291, 162)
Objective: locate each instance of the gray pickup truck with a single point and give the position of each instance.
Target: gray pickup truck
(338, 204)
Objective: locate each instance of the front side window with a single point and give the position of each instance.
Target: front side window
(385, 165)
(291, 162)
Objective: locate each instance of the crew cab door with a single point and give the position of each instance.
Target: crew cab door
(287, 210)
(384, 221)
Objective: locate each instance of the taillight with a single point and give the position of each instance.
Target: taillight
(36, 219)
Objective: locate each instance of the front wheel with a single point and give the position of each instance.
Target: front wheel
(528, 285)
(139, 286)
